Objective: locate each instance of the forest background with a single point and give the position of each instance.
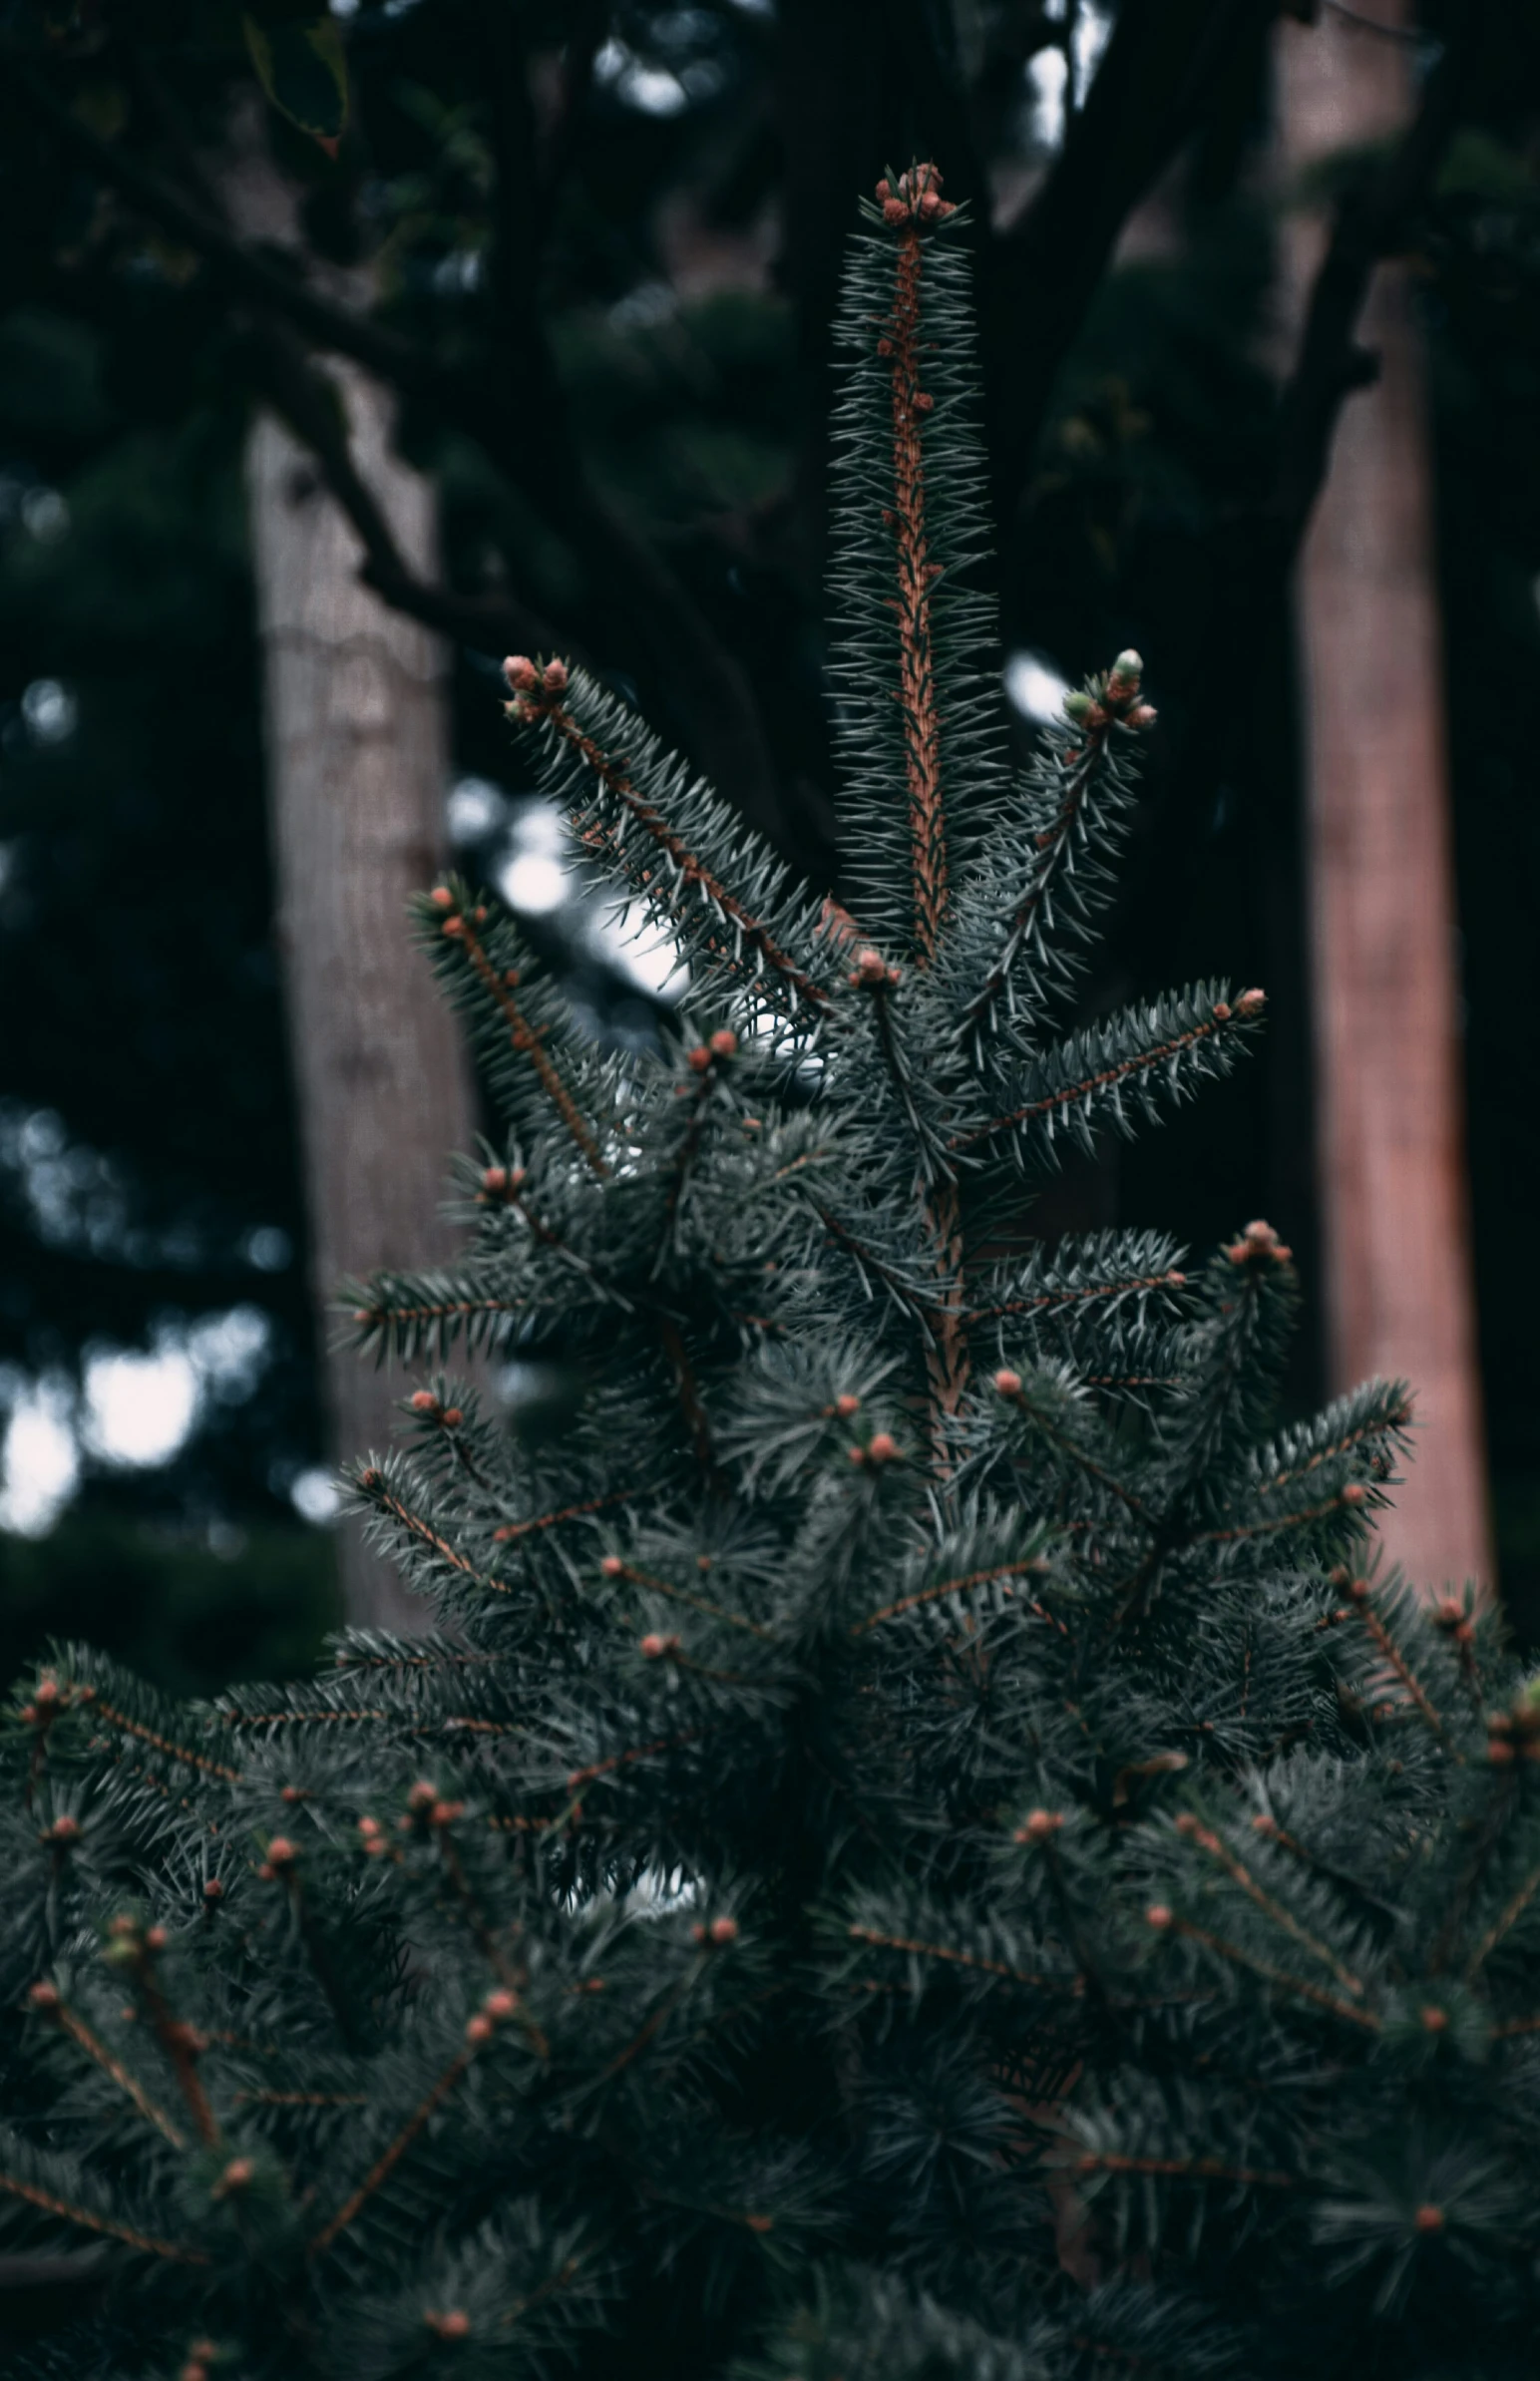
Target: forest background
(589, 256)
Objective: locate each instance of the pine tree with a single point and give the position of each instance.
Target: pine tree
(918, 1847)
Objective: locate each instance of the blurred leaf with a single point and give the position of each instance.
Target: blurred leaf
(300, 65)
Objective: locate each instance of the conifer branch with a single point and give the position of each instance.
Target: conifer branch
(393, 2153)
(944, 1951)
(616, 1567)
(538, 700)
(49, 2004)
(1391, 1653)
(1087, 1087)
(918, 199)
(620, 1760)
(13, 2187)
(1063, 1299)
(511, 1530)
(1285, 1982)
(1032, 1566)
(1217, 1850)
(162, 1744)
(374, 1485)
(525, 1039)
(1503, 1924)
(947, 1360)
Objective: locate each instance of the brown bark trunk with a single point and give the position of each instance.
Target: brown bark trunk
(1398, 1293)
(357, 763)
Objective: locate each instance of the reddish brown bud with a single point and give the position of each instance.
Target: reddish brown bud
(846, 1405)
(495, 1180)
(924, 401)
(699, 1057)
(1221, 1012)
(883, 1448)
(47, 1690)
(1353, 1494)
(281, 1852)
(1435, 2020)
(192, 2371)
(442, 897)
(1251, 1004)
(424, 1402)
(885, 348)
(421, 1795)
(1428, 2218)
(884, 189)
(453, 2324)
(44, 1996)
(479, 2028)
(1499, 1751)
(870, 968)
(1187, 1824)
(1008, 1382)
(655, 1647)
(723, 1044)
(213, 1890)
(499, 2004)
(292, 1794)
(1143, 714)
(612, 1566)
(520, 674)
(444, 1814)
(64, 1830)
(555, 677)
(368, 1829)
(1264, 1825)
(894, 212)
(1038, 1826)
(724, 1930)
(453, 1417)
(236, 2176)
(1158, 1916)
(156, 1939)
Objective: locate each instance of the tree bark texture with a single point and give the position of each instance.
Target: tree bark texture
(1390, 1137)
(357, 764)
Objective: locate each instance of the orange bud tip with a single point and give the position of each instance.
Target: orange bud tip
(1251, 1004)
(846, 1405)
(883, 1448)
(453, 1417)
(724, 1930)
(555, 677)
(478, 2029)
(421, 1795)
(1353, 1494)
(213, 1890)
(1008, 1382)
(1435, 2020)
(699, 1057)
(280, 1851)
(424, 1402)
(612, 1566)
(44, 1996)
(442, 897)
(237, 2174)
(156, 1939)
(1428, 2218)
(655, 1647)
(453, 2324)
(1158, 1916)
(760, 2223)
(499, 2004)
(1221, 1012)
(494, 1178)
(63, 1831)
(520, 674)
(1040, 1824)
(1498, 1750)
(723, 1044)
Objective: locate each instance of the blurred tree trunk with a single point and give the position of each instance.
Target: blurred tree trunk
(358, 762)
(1391, 1132)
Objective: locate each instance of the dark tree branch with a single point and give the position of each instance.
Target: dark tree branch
(1038, 279)
(1372, 220)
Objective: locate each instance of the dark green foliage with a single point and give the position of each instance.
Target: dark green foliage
(902, 1857)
